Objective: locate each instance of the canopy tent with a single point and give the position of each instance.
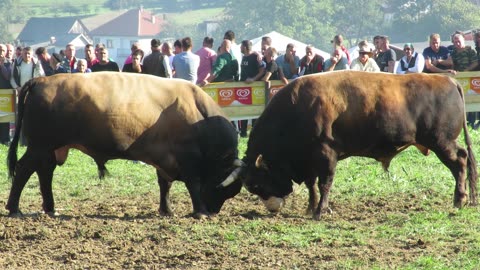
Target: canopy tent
(279, 42)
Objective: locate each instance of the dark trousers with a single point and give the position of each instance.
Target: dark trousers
(472, 117)
(244, 125)
(4, 133)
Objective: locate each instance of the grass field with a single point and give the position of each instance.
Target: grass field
(401, 220)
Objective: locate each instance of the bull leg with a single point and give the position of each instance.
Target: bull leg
(165, 185)
(455, 158)
(327, 162)
(312, 195)
(24, 169)
(199, 208)
(45, 175)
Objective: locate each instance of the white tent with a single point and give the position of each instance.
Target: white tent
(279, 42)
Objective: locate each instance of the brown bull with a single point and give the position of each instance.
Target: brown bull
(317, 120)
(172, 125)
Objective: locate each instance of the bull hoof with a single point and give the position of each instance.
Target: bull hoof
(460, 202)
(16, 214)
(166, 213)
(200, 216)
(317, 217)
(52, 214)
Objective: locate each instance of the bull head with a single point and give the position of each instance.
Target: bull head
(234, 175)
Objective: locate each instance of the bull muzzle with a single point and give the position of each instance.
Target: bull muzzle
(234, 175)
(274, 204)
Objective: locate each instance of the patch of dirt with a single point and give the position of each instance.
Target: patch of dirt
(127, 233)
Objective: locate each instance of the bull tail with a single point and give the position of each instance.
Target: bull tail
(12, 151)
(471, 161)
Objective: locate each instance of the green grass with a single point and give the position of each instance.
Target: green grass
(194, 17)
(403, 220)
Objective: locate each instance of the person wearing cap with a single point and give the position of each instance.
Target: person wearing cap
(383, 54)
(364, 62)
(56, 64)
(156, 63)
(337, 41)
(411, 62)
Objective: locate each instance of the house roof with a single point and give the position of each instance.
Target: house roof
(38, 30)
(135, 22)
(96, 21)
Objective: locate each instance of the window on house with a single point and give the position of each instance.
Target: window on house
(96, 41)
(109, 43)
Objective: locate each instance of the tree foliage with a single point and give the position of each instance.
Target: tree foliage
(122, 4)
(12, 13)
(309, 21)
(317, 22)
(416, 20)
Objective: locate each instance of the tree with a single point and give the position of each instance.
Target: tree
(309, 21)
(358, 21)
(12, 13)
(122, 4)
(416, 20)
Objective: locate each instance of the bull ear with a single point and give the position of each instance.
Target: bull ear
(259, 163)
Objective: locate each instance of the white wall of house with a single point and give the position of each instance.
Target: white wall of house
(119, 47)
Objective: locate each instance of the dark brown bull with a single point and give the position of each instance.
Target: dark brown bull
(170, 124)
(317, 120)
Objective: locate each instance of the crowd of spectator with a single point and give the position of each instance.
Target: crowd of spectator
(238, 62)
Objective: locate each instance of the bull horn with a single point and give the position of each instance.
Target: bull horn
(259, 162)
(231, 178)
(238, 163)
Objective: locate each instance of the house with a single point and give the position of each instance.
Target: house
(54, 33)
(118, 34)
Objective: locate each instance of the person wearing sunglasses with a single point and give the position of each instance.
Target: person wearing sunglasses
(411, 62)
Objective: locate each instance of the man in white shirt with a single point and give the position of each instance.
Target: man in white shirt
(25, 68)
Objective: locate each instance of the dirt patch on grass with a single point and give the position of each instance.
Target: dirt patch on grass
(127, 233)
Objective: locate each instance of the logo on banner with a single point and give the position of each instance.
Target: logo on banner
(258, 92)
(475, 84)
(4, 101)
(226, 97)
(273, 91)
(244, 95)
